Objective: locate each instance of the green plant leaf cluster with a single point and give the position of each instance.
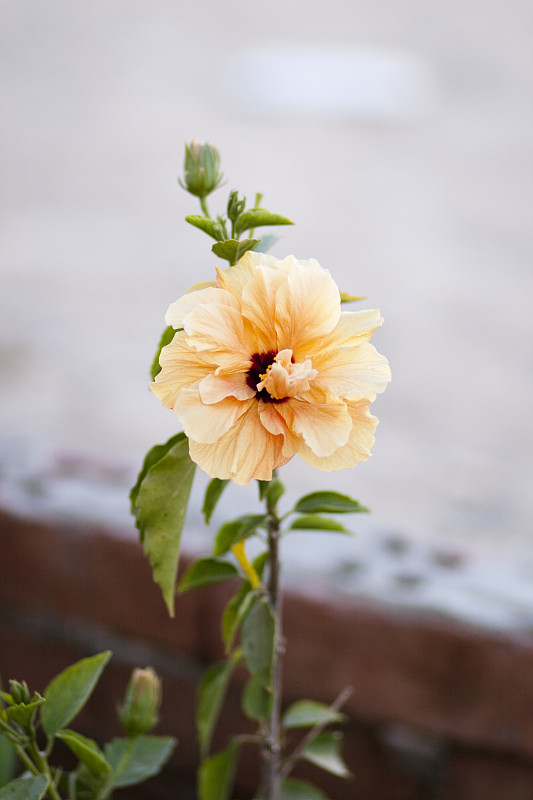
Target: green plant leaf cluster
(122, 762)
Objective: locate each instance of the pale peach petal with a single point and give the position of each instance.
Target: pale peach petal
(323, 427)
(356, 449)
(307, 307)
(259, 305)
(207, 423)
(180, 366)
(213, 389)
(183, 306)
(275, 424)
(245, 452)
(235, 278)
(217, 328)
(353, 328)
(351, 372)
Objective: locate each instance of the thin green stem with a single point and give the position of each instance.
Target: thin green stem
(271, 747)
(203, 203)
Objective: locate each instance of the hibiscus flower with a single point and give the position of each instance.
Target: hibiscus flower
(265, 365)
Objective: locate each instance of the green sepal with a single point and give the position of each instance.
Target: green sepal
(68, 692)
(135, 759)
(22, 714)
(324, 752)
(211, 695)
(206, 225)
(215, 775)
(233, 249)
(308, 713)
(256, 700)
(316, 522)
(350, 298)
(87, 751)
(259, 640)
(159, 502)
(166, 338)
(213, 493)
(206, 571)
(31, 787)
(292, 789)
(328, 503)
(235, 531)
(234, 613)
(258, 217)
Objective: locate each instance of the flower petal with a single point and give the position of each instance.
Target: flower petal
(324, 427)
(213, 389)
(351, 372)
(180, 366)
(244, 452)
(183, 306)
(356, 449)
(275, 424)
(207, 423)
(235, 278)
(307, 307)
(259, 305)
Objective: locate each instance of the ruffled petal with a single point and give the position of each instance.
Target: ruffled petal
(323, 427)
(213, 389)
(180, 366)
(351, 372)
(259, 305)
(207, 423)
(178, 311)
(307, 307)
(275, 424)
(235, 278)
(245, 452)
(356, 449)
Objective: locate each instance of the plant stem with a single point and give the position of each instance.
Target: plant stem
(203, 203)
(270, 747)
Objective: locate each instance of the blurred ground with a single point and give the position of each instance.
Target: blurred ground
(399, 139)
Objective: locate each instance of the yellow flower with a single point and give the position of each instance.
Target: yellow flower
(268, 366)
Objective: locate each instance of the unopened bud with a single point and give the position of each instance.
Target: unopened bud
(202, 169)
(139, 711)
(19, 692)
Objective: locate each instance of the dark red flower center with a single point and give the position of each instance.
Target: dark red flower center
(260, 364)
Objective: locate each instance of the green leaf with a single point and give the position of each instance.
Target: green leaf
(233, 249)
(259, 563)
(262, 486)
(87, 751)
(257, 217)
(206, 225)
(274, 491)
(7, 760)
(256, 701)
(166, 338)
(206, 571)
(266, 242)
(316, 522)
(235, 531)
(211, 696)
(215, 776)
(22, 714)
(234, 613)
(135, 759)
(292, 789)
(213, 493)
(159, 502)
(308, 713)
(259, 640)
(68, 692)
(328, 503)
(28, 788)
(324, 752)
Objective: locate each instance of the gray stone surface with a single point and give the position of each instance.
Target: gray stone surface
(403, 151)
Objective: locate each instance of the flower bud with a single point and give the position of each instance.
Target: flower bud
(139, 711)
(19, 692)
(201, 169)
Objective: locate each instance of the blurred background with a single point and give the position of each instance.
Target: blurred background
(397, 136)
